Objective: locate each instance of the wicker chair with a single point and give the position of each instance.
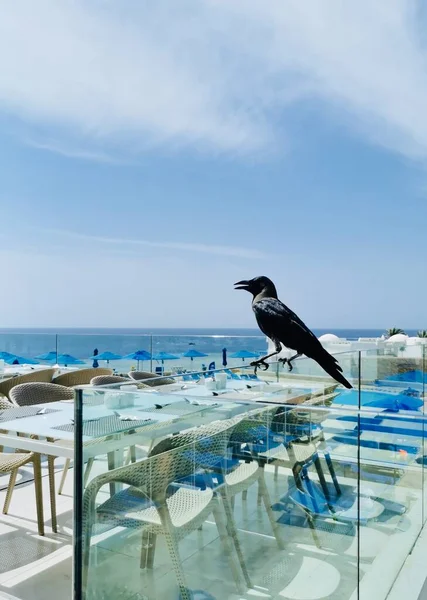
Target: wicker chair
(11, 463)
(80, 376)
(43, 375)
(109, 380)
(29, 394)
(148, 504)
(150, 379)
(293, 422)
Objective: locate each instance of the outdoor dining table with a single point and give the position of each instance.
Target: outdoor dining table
(241, 391)
(48, 429)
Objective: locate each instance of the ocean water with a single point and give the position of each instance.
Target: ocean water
(82, 342)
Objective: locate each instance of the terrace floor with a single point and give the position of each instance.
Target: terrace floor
(34, 567)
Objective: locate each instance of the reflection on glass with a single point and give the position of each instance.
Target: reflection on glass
(274, 487)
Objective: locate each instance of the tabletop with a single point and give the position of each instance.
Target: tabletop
(149, 417)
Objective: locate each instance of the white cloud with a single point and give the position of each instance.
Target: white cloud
(217, 75)
(57, 147)
(126, 244)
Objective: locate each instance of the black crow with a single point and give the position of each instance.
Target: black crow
(283, 326)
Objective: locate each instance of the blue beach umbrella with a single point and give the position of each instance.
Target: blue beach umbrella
(396, 403)
(224, 357)
(47, 355)
(106, 356)
(162, 356)
(244, 354)
(67, 359)
(14, 359)
(193, 353)
(139, 355)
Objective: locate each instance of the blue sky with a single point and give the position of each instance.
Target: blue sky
(154, 153)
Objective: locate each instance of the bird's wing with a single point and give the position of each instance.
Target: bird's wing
(279, 322)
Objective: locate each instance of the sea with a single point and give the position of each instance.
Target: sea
(80, 343)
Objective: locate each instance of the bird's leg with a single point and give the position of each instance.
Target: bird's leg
(258, 363)
(262, 361)
(289, 360)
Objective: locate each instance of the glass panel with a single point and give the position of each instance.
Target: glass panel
(261, 511)
(391, 433)
(169, 353)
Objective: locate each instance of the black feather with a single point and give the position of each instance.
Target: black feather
(283, 326)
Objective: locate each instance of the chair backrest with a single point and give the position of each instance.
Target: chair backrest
(27, 394)
(146, 377)
(254, 426)
(5, 403)
(172, 459)
(80, 376)
(108, 380)
(42, 375)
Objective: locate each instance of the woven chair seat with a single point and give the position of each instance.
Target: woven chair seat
(9, 461)
(243, 476)
(131, 508)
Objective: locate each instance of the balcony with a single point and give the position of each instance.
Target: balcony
(286, 486)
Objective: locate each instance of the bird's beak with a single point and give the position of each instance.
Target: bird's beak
(242, 285)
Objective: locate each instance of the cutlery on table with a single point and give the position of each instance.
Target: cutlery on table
(128, 417)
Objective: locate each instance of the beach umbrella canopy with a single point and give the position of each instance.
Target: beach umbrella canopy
(396, 403)
(14, 359)
(139, 355)
(47, 355)
(193, 353)
(106, 356)
(67, 359)
(244, 354)
(224, 357)
(164, 356)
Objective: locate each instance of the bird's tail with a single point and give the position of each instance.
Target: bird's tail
(330, 364)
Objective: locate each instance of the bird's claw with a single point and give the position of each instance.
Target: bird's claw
(258, 363)
(284, 361)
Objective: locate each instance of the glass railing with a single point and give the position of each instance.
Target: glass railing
(177, 353)
(230, 484)
(131, 351)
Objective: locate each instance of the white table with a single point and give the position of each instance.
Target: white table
(112, 443)
(238, 390)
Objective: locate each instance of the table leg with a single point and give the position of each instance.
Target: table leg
(39, 492)
(115, 459)
(51, 470)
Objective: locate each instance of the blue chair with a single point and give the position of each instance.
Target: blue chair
(352, 438)
(235, 376)
(325, 505)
